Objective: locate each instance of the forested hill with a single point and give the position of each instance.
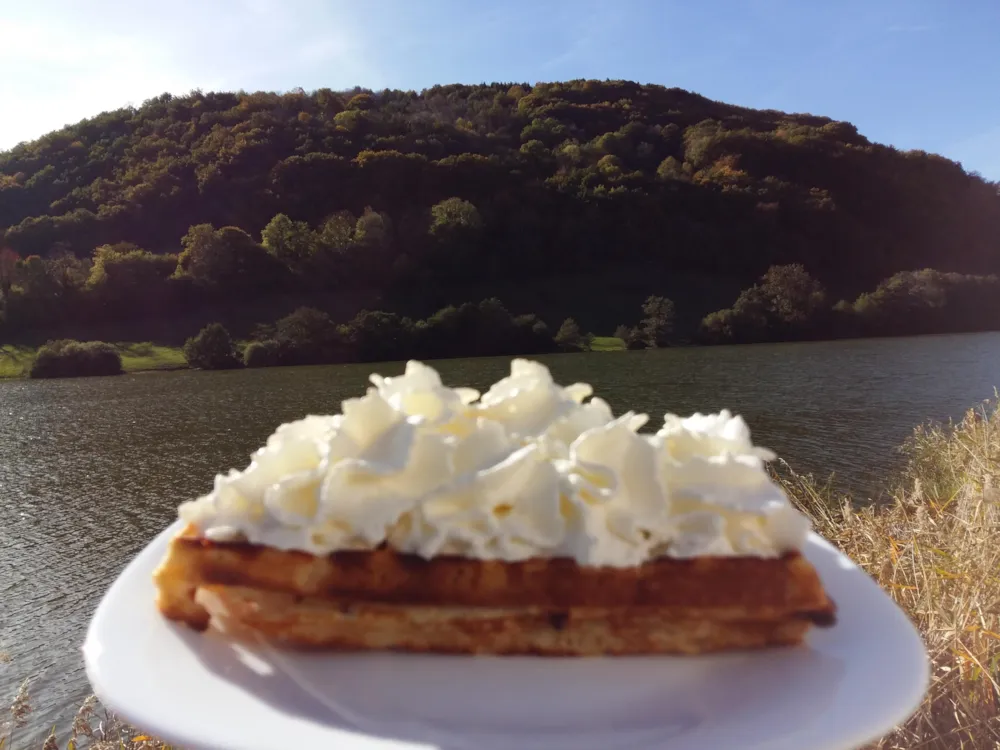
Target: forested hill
(470, 187)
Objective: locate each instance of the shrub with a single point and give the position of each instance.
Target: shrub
(380, 336)
(631, 335)
(68, 359)
(787, 304)
(267, 353)
(927, 301)
(482, 330)
(211, 349)
(310, 337)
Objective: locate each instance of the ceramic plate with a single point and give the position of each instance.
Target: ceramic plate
(847, 685)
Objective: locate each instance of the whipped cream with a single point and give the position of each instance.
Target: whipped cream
(527, 469)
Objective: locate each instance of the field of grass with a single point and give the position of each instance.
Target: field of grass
(932, 546)
(15, 361)
(146, 356)
(607, 344)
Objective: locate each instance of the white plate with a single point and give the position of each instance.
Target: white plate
(850, 684)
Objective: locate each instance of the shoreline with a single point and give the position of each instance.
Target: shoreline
(171, 359)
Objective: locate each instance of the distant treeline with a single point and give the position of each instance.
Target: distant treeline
(228, 265)
(212, 206)
(787, 304)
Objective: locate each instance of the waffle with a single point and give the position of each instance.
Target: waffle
(381, 599)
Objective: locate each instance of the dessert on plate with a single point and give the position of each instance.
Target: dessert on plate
(526, 520)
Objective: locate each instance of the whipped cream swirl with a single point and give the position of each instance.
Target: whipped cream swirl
(527, 469)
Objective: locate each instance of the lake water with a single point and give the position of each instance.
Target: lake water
(91, 469)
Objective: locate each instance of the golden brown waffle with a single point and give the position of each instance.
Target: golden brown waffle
(381, 599)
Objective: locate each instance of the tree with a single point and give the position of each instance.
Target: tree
(363, 101)
(656, 327)
(71, 272)
(379, 336)
(211, 349)
(337, 232)
(570, 338)
(8, 265)
(32, 275)
(671, 169)
(227, 256)
(455, 231)
(126, 274)
(373, 230)
(595, 177)
(266, 353)
(793, 296)
(786, 303)
(309, 336)
(455, 217)
(631, 336)
(928, 301)
(291, 242)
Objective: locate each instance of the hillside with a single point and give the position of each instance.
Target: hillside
(410, 201)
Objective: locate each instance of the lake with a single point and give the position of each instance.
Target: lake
(91, 469)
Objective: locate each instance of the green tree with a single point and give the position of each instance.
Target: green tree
(793, 296)
(71, 272)
(126, 274)
(337, 232)
(570, 338)
(786, 303)
(456, 233)
(631, 336)
(455, 217)
(548, 130)
(291, 242)
(226, 256)
(671, 169)
(33, 277)
(363, 101)
(309, 336)
(266, 353)
(656, 328)
(211, 349)
(378, 336)
(373, 231)
(8, 266)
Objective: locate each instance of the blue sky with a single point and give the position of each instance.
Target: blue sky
(913, 73)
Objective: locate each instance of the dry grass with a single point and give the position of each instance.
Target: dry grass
(93, 729)
(933, 547)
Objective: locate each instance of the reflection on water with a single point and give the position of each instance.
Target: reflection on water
(91, 469)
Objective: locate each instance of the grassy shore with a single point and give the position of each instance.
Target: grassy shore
(932, 546)
(15, 361)
(607, 344)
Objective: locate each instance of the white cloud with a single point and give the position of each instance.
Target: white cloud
(60, 66)
(54, 75)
